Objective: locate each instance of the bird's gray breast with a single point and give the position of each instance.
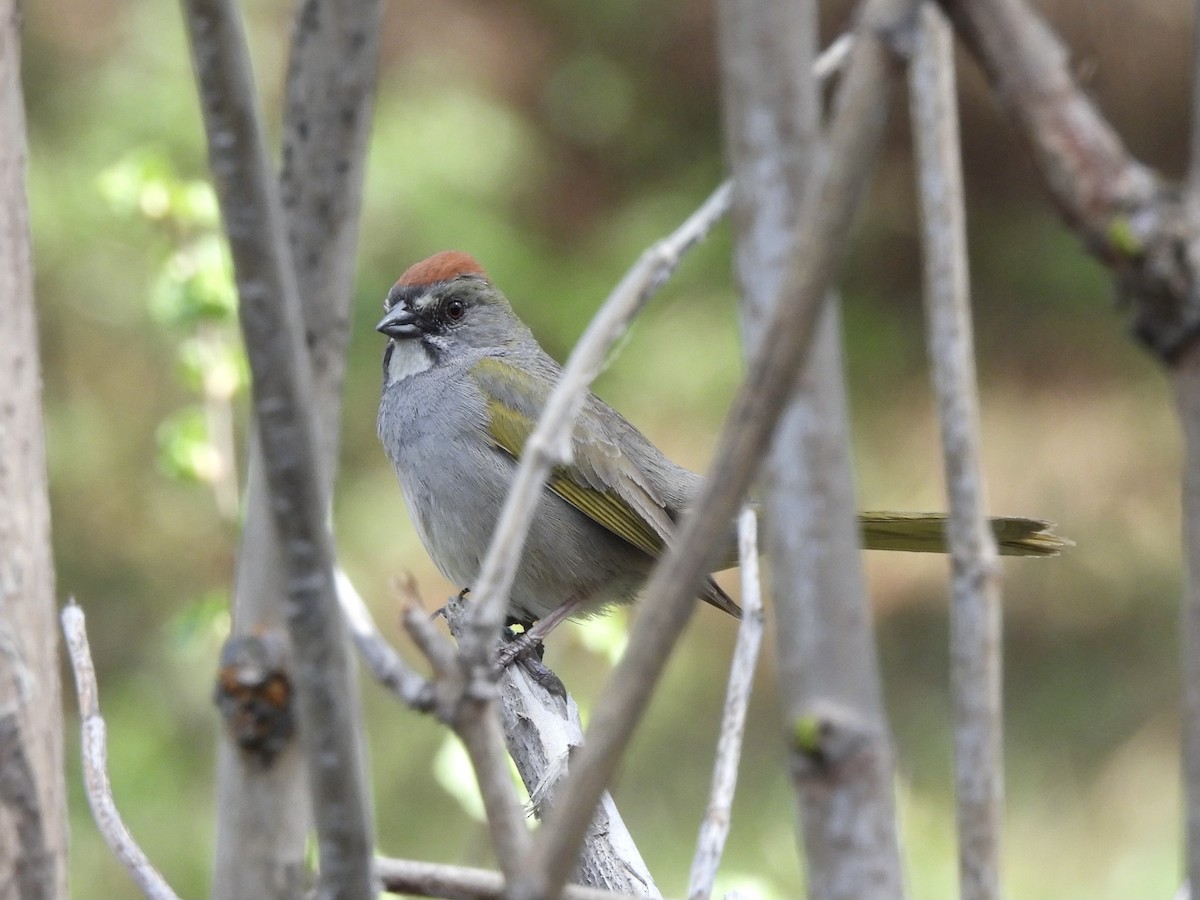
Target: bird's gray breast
(433, 428)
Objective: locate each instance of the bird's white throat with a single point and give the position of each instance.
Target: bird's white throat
(408, 358)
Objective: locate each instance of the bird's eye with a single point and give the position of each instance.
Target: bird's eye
(455, 309)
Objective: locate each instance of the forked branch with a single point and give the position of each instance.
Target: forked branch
(1124, 212)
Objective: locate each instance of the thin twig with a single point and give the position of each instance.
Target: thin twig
(1187, 399)
(471, 716)
(1186, 383)
(270, 317)
(384, 663)
(425, 879)
(714, 829)
(94, 751)
(1193, 172)
(975, 630)
(833, 58)
(825, 219)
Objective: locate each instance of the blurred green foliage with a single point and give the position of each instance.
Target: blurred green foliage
(554, 141)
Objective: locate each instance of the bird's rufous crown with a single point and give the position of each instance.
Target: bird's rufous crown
(442, 266)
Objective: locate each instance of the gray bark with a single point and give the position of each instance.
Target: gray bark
(263, 813)
(829, 681)
(33, 829)
(284, 400)
(975, 604)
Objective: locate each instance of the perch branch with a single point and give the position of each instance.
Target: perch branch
(714, 829)
(94, 750)
(824, 225)
(542, 729)
(975, 630)
(270, 317)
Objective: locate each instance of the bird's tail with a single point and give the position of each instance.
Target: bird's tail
(926, 533)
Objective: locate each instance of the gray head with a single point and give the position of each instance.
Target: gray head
(442, 308)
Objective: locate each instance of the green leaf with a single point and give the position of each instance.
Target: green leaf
(184, 449)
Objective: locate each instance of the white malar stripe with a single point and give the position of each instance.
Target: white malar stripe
(409, 357)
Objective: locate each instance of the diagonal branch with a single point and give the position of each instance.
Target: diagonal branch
(472, 717)
(825, 217)
(549, 444)
(1123, 212)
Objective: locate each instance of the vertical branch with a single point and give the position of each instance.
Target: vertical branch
(1186, 382)
(283, 395)
(1193, 172)
(33, 826)
(714, 829)
(975, 630)
(262, 811)
(842, 765)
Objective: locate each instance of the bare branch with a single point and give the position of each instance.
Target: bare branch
(1193, 172)
(1187, 400)
(824, 223)
(714, 829)
(1124, 213)
(382, 660)
(262, 812)
(94, 751)
(975, 609)
(828, 677)
(468, 710)
(542, 728)
(1186, 384)
(282, 394)
(423, 879)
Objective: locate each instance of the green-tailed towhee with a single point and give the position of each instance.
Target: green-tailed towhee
(464, 384)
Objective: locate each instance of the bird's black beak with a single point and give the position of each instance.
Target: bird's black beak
(399, 323)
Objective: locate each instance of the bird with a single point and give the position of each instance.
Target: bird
(464, 384)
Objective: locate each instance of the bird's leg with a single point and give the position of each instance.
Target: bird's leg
(536, 634)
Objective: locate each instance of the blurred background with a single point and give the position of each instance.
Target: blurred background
(554, 141)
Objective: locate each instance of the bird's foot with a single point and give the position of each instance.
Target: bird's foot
(526, 650)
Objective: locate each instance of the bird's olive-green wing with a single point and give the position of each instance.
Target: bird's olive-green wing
(599, 481)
